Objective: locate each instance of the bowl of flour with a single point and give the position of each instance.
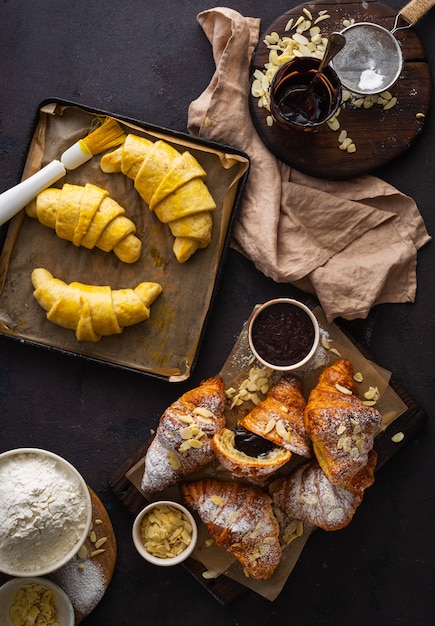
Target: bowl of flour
(45, 512)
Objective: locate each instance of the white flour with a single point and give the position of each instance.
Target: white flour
(42, 512)
(370, 79)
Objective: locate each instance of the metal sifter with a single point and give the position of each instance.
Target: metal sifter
(371, 60)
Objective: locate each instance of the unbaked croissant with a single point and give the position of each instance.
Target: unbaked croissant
(240, 519)
(89, 218)
(256, 465)
(307, 495)
(280, 417)
(92, 311)
(341, 427)
(183, 440)
(172, 184)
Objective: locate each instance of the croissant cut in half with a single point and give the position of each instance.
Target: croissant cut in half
(254, 469)
(183, 439)
(92, 311)
(307, 495)
(240, 519)
(87, 217)
(341, 427)
(172, 184)
(280, 417)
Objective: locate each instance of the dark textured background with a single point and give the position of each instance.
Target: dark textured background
(148, 60)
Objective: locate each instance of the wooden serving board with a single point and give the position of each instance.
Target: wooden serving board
(226, 590)
(82, 600)
(379, 136)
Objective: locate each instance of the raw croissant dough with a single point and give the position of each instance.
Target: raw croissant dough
(172, 184)
(87, 217)
(92, 311)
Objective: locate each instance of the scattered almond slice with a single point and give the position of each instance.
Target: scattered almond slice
(398, 437)
(342, 389)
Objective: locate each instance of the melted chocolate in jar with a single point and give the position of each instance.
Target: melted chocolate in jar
(282, 334)
(251, 444)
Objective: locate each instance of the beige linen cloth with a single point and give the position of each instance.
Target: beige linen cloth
(353, 244)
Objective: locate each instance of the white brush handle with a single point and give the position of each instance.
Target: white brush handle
(16, 198)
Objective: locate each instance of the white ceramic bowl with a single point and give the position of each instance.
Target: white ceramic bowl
(40, 548)
(290, 314)
(64, 608)
(157, 560)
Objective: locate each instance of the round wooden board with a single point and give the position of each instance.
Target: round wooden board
(379, 135)
(85, 596)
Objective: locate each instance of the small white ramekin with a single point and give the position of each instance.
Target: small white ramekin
(76, 478)
(155, 560)
(8, 591)
(312, 320)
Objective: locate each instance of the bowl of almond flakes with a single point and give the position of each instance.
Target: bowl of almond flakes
(34, 601)
(165, 533)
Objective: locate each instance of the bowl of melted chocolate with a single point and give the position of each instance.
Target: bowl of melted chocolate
(283, 334)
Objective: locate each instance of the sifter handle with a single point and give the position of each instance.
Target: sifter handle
(415, 9)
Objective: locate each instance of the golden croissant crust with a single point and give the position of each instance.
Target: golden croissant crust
(183, 440)
(89, 218)
(92, 311)
(341, 427)
(307, 495)
(172, 184)
(254, 469)
(240, 519)
(280, 417)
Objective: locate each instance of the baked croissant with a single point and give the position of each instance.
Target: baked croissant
(183, 440)
(172, 184)
(307, 495)
(240, 519)
(92, 311)
(280, 417)
(341, 427)
(87, 217)
(255, 461)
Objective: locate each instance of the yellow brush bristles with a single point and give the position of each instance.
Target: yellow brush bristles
(108, 135)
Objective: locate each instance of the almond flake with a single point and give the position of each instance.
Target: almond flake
(270, 426)
(202, 412)
(282, 431)
(217, 500)
(174, 461)
(398, 437)
(342, 389)
(186, 433)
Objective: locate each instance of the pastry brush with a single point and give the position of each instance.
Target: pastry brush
(107, 135)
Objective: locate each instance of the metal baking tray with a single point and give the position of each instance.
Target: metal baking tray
(167, 344)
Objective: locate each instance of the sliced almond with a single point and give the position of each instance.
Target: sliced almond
(342, 389)
(217, 500)
(282, 431)
(270, 426)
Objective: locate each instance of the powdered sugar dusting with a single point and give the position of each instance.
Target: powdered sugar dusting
(241, 520)
(309, 496)
(85, 587)
(170, 456)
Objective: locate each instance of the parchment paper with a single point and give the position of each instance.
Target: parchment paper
(164, 344)
(234, 371)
